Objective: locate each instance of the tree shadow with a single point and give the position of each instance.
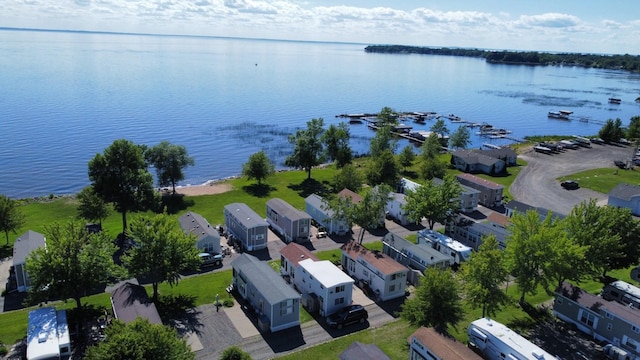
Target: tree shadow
(311, 186)
(259, 190)
(175, 203)
(410, 174)
(180, 312)
(6, 251)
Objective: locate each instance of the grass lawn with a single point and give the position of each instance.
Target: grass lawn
(604, 180)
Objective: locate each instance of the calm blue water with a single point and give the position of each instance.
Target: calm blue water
(66, 96)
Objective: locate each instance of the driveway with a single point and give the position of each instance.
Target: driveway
(536, 184)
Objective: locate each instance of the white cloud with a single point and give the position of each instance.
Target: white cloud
(551, 20)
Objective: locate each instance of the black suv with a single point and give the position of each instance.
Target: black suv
(348, 315)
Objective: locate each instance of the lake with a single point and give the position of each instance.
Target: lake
(66, 96)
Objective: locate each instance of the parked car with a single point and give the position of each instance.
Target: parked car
(597, 140)
(570, 184)
(348, 315)
(210, 259)
(321, 234)
(620, 164)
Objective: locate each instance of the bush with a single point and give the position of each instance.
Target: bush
(227, 303)
(3, 350)
(235, 353)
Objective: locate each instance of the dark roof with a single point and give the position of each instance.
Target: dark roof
(480, 181)
(264, 279)
(597, 304)
(245, 215)
(285, 209)
(442, 346)
(296, 253)
(25, 244)
(465, 189)
(625, 191)
(131, 301)
(195, 224)
(518, 206)
(473, 157)
(503, 152)
(360, 351)
(380, 261)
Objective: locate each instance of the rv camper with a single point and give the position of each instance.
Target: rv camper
(495, 341)
(622, 292)
(446, 245)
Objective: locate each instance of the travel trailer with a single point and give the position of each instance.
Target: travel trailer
(446, 245)
(622, 292)
(495, 341)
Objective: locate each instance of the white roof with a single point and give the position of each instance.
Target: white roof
(326, 272)
(47, 331)
(627, 288)
(445, 240)
(511, 339)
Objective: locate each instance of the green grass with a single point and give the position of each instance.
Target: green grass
(604, 180)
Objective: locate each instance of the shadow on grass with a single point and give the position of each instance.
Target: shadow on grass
(311, 186)
(175, 203)
(259, 190)
(180, 312)
(410, 174)
(6, 251)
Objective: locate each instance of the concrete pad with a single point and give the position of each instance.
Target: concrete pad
(193, 341)
(360, 298)
(240, 321)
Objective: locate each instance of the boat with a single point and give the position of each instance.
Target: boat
(613, 100)
(355, 120)
(557, 115)
(542, 149)
(565, 112)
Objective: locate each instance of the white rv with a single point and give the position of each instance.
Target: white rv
(622, 292)
(446, 245)
(497, 342)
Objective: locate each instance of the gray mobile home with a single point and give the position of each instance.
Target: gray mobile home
(245, 226)
(288, 221)
(208, 238)
(276, 304)
(22, 248)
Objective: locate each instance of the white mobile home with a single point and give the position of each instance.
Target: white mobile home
(320, 212)
(395, 208)
(445, 245)
(22, 248)
(48, 334)
(497, 342)
(291, 223)
(208, 238)
(326, 284)
(245, 226)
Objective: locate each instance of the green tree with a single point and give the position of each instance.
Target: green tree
(140, 340)
(407, 157)
(234, 353)
(91, 207)
(11, 218)
(432, 166)
(258, 167)
(369, 213)
(120, 176)
(484, 274)
(436, 302)
(461, 138)
(440, 128)
(633, 130)
(383, 169)
(336, 142)
(348, 177)
(388, 116)
(170, 161)
(162, 251)
(307, 147)
(383, 140)
(72, 263)
(565, 261)
(436, 203)
(622, 224)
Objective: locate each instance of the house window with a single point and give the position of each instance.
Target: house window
(609, 326)
(339, 288)
(339, 301)
(392, 288)
(559, 300)
(286, 307)
(365, 273)
(393, 277)
(608, 315)
(631, 343)
(587, 318)
(635, 329)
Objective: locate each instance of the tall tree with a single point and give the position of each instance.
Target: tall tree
(484, 274)
(622, 224)
(348, 177)
(140, 340)
(381, 141)
(258, 167)
(436, 302)
(72, 263)
(388, 116)
(440, 128)
(406, 157)
(432, 166)
(120, 176)
(307, 147)
(633, 130)
(91, 207)
(336, 142)
(461, 138)
(436, 203)
(162, 251)
(11, 218)
(566, 259)
(369, 213)
(170, 161)
(383, 169)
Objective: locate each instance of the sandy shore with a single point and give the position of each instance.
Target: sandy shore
(205, 189)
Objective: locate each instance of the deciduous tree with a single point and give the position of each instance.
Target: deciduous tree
(407, 157)
(436, 203)
(633, 130)
(91, 207)
(369, 213)
(484, 274)
(258, 167)
(383, 140)
(440, 128)
(161, 250)
(307, 147)
(336, 142)
(432, 166)
(461, 138)
(170, 161)
(120, 176)
(348, 177)
(11, 218)
(140, 340)
(383, 169)
(72, 263)
(436, 302)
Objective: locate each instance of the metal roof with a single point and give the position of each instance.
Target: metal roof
(264, 278)
(245, 215)
(25, 244)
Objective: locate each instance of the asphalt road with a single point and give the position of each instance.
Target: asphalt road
(537, 183)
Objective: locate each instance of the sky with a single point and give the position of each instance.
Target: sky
(584, 26)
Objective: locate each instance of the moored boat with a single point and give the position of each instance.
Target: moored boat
(613, 100)
(557, 115)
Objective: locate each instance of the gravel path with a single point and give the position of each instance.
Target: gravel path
(536, 184)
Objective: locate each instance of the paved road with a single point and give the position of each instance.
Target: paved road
(536, 184)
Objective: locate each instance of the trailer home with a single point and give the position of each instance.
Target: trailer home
(497, 342)
(446, 245)
(288, 221)
(245, 226)
(48, 334)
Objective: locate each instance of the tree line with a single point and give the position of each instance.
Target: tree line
(618, 62)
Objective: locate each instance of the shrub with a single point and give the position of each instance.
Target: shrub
(3, 350)
(227, 303)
